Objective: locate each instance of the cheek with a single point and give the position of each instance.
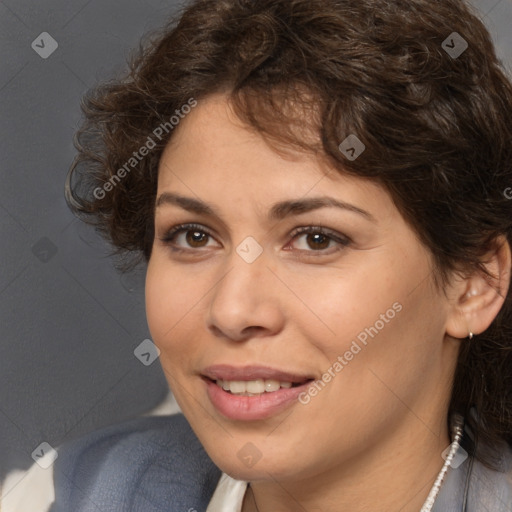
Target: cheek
(166, 302)
(380, 317)
(157, 303)
(175, 300)
(345, 304)
(386, 363)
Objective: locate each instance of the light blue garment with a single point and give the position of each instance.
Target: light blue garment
(156, 464)
(151, 464)
(472, 487)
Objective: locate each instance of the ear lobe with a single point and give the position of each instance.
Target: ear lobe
(478, 298)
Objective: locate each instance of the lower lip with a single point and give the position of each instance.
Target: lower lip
(236, 407)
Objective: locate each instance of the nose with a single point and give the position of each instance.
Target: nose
(245, 302)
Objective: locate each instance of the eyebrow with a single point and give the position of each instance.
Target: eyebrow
(278, 211)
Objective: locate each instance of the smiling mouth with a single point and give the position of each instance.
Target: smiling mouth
(252, 393)
(255, 387)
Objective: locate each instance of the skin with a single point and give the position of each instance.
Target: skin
(380, 424)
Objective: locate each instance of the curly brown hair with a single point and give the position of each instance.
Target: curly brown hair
(436, 127)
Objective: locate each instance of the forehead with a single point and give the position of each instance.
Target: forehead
(214, 155)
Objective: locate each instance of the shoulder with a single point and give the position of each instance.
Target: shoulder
(491, 489)
(473, 487)
(149, 464)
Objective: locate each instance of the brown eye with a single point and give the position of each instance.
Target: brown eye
(187, 237)
(317, 239)
(195, 238)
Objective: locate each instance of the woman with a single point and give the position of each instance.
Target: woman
(318, 189)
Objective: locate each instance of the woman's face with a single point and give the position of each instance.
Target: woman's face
(242, 298)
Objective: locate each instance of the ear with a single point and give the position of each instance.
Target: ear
(476, 300)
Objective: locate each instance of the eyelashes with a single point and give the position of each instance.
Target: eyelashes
(172, 234)
(315, 234)
(326, 234)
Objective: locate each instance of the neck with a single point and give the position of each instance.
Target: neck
(396, 474)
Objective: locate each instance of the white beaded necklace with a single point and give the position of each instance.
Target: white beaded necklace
(457, 430)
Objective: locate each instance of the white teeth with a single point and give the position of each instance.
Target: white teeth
(252, 387)
(237, 386)
(271, 385)
(255, 386)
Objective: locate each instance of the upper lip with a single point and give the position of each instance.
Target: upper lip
(252, 372)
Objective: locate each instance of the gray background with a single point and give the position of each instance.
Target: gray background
(69, 322)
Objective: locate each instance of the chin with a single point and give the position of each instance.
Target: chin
(243, 460)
